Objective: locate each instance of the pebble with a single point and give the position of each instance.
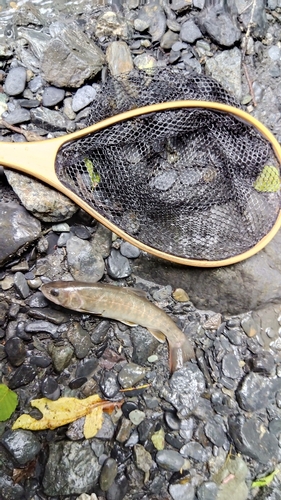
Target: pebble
(128, 250)
(79, 339)
(172, 420)
(136, 416)
(15, 81)
(119, 488)
(184, 491)
(41, 361)
(83, 97)
(263, 362)
(42, 326)
(119, 58)
(195, 451)
(230, 366)
(81, 232)
(250, 326)
(168, 39)
(87, 367)
(215, 434)
(109, 384)
(124, 431)
(256, 392)
(107, 430)
(49, 119)
(130, 375)
(170, 460)
(144, 344)
(118, 266)
(190, 32)
(234, 336)
(143, 460)
(207, 491)
(50, 388)
(37, 299)
(187, 428)
(84, 263)
(15, 350)
(61, 356)
(23, 445)
(52, 96)
(128, 407)
(22, 376)
(108, 473)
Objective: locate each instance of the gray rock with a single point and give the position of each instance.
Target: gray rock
(48, 119)
(23, 445)
(80, 340)
(255, 15)
(107, 429)
(215, 433)
(45, 203)
(19, 115)
(220, 25)
(52, 96)
(257, 392)
(83, 97)
(21, 285)
(61, 356)
(119, 488)
(15, 81)
(183, 491)
(154, 16)
(112, 24)
(225, 67)
(15, 351)
(195, 451)
(130, 375)
(168, 39)
(118, 266)
(84, 263)
(207, 491)
(8, 488)
(36, 83)
(128, 250)
(108, 473)
(18, 229)
(264, 363)
(170, 460)
(144, 344)
(71, 469)
(119, 59)
(184, 388)
(230, 366)
(101, 240)
(252, 438)
(108, 384)
(190, 32)
(180, 5)
(70, 58)
(22, 376)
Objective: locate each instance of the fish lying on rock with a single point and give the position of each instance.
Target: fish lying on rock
(127, 305)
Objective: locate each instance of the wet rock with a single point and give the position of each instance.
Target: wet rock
(41, 326)
(61, 356)
(22, 376)
(23, 445)
(109, 385)
(136, 416)
(49, 119)
(249, 325)
(144, 344)
(184, 388)
(226, 69)
(80, 340)
(230, 366)
(263, 362)
(56, 317)
(84, 263)
(180, 491)
(128, 250)
(215, 433)
(108, 474)
(256, 392)
(21, 285)
(190, 32)
(119, 488)
(15, 351)
(50, 388)
(220, 25)
(45, 203)
(107, 430)
(130, 375)
(9, 489)
(118, 266)
(37, 299)
(128, 407)
(170, 460)
(83, 97)
(86, 367)
(124, 431)
(71, 469)
(15, 81)
(52, 96)
(70, 58)
(119, 58)
(252, 438)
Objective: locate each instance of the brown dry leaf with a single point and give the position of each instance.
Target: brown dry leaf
(93, 422)
(62, 412)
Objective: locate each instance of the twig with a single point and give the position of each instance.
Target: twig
(29, 135)
(249, 84)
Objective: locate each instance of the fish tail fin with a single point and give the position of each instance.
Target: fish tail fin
(179, 354)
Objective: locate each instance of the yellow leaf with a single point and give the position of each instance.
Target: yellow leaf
(269, 180)
(93, 422)
(158, 439)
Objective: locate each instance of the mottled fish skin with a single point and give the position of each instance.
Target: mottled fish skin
(127, 305)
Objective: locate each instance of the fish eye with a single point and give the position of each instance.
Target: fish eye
(54, 292)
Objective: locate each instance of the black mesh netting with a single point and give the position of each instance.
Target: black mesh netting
(194, 183)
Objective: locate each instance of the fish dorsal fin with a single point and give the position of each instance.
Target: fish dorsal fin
(158, 335)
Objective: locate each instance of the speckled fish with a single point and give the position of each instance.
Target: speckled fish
(127, 305)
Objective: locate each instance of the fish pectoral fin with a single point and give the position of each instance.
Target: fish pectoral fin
(158, 335)
(129, 323)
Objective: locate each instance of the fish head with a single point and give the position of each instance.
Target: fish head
(62, 293)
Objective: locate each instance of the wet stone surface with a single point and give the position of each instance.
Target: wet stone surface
(211, 428)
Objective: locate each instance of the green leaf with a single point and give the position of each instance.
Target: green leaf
(8, 402)
(268, 181)
(94, 176)
(264, 481)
